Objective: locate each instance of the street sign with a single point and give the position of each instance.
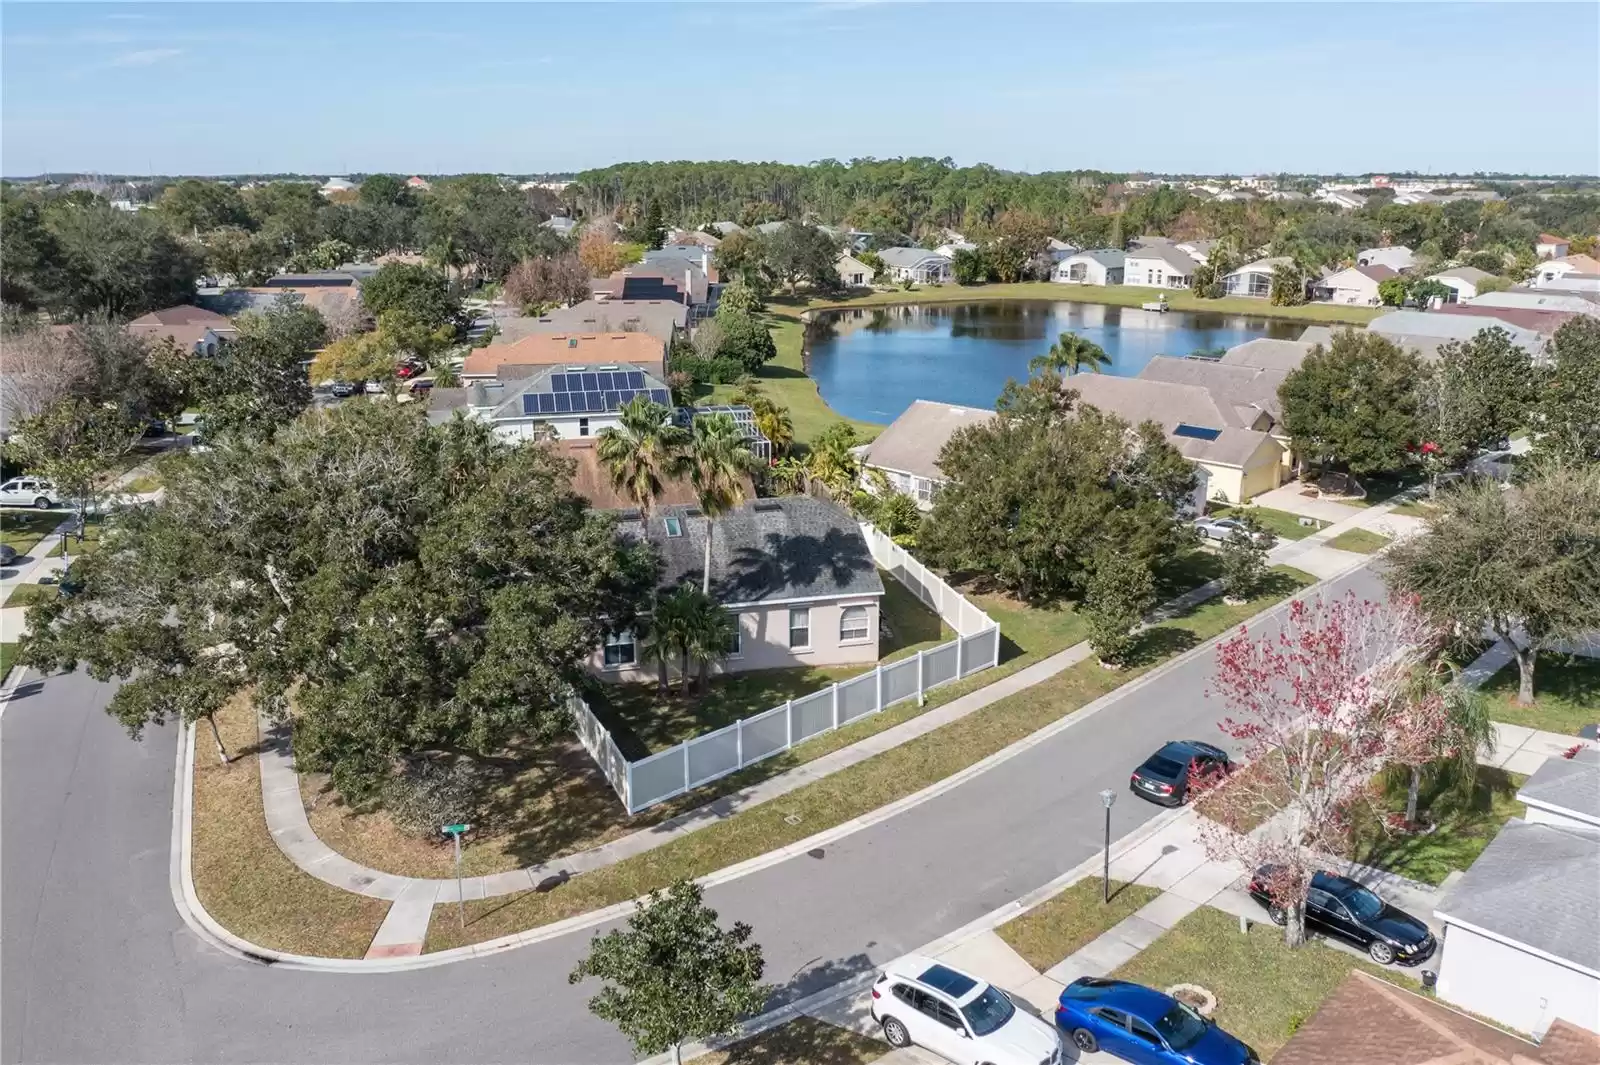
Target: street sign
(455, 832)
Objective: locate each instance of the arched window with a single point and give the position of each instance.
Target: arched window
(854, 624)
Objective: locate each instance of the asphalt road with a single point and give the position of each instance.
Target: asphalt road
(99, 967)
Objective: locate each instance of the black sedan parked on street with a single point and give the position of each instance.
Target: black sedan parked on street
(1340, 907)
(1164, 777)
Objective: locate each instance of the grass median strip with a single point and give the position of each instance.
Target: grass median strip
(1060, 927)
(243, 880)
(1359, 540)
(802, 1041)
(854, 791)
(1264, 990)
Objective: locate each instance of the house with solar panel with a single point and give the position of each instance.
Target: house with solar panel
(560, 401)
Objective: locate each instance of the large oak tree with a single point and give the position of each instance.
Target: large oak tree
(1355, 404)
(406, 588)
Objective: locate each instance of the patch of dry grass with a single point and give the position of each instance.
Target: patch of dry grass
(1060, 927)
(243, 880)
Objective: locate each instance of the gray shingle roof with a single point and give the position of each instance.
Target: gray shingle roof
(1535, 885)
(904, 258)
(1470, 274)
(1267, 354)
(1139, 400)
(1111, 258)
(1238, 386)
(660, 318)
(1174, 257)
(1570, 784)
(767, 550)
(913, 441)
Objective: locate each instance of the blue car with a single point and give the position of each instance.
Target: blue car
(1142, 1025)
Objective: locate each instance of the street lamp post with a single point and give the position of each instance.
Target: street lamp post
(1107, 798)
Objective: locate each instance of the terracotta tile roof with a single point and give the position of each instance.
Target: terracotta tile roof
(184, 336)
(1368, 1021)
(569, 349)
(1535, 318)
(1551, 238)
(591, 481)
(184, 314)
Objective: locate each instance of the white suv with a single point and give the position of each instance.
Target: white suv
(29, 492)
(971, 1022)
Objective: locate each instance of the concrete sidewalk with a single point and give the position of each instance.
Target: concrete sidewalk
(1518, 748)
(405, 927)
(1174, 859)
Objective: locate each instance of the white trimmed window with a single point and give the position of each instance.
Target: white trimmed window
(855, 623)
(799, 628)
(736, 641)
(620, 650)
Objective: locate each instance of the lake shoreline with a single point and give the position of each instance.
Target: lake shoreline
(869, 363)
(1111, 296)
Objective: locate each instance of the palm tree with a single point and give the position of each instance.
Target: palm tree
(668, 635)
(776, 425)
(1071, 354)
(717, 461)
(641, 453)
(789, 474)
(709, 630)
(832, 463)
(1468, 728)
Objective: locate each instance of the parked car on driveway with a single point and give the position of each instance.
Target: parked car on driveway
(1222, 528)
(1163, 778)
(1140, 1024)
(1344, 909)
(29, 492)
(972, 1022)
(343, 389)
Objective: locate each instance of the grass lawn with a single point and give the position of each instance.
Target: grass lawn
(1464, 825)
(803, 1041)
(1360, 540)
(1120, 295)
(87, 546)
(1281, 523)
(8, 654)
(1264, 990)
(785, 380)
(1056, 929)
(23, 529)
(146, 482)
(851, 792)
(241, 876)
(29, 594)
(1566, 694)
(645, 722)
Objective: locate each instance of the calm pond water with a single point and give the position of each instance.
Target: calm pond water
(870, 363)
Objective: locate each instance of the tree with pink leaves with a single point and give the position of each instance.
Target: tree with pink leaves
(1317, 708)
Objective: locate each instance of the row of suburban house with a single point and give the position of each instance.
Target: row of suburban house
(1223, 414)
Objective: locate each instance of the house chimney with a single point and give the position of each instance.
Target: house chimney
(705, 262)
(688, 284)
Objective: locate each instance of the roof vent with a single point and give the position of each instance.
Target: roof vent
(768, 507)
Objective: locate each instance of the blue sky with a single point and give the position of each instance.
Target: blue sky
(216, 88)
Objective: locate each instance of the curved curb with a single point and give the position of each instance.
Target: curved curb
(194, 913)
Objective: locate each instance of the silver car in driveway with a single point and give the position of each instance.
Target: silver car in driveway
(1222, 528)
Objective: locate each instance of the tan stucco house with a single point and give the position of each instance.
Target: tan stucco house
(795, 573)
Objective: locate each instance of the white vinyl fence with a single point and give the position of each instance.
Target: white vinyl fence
(703, 759)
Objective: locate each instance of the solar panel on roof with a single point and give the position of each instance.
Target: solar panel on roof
(593, 401)
(613, 400)
(563, 402)
(591, 382)
(605, 380)
(949, 981)
(659, 395)
(635, 380)
(547, 403)
(558, 382)
(530, 404)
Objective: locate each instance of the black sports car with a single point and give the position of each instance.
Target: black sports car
(1338, 906)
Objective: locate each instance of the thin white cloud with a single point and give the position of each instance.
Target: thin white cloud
(128, 18)
(145, 57)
